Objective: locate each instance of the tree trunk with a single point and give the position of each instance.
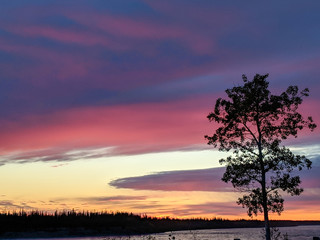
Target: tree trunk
(267, 226)
(264, 190)
(265, 207)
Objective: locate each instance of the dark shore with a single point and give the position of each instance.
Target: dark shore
(73, 224)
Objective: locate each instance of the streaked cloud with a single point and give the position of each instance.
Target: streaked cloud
(197, 180)
(109, 199)
(9, 204)
(188, 180)
(118, 130)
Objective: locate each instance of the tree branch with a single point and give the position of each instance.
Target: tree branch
(250, 132)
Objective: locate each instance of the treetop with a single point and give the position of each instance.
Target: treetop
(252, 111)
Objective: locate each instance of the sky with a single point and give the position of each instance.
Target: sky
(104, 103)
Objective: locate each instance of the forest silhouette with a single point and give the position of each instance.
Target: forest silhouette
(71, 223)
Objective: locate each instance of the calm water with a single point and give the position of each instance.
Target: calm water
(294, 233)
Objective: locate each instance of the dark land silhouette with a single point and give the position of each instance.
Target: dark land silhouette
(71, 224)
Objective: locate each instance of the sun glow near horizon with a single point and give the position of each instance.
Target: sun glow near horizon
(43, 186)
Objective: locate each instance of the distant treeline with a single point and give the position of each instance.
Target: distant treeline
(71, 223)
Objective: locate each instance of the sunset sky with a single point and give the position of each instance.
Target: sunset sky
(104, 103)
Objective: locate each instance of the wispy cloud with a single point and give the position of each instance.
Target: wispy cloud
(108, 199)
(8, 204)
(57, 155)
(215, 208)
(188, 180)
(197, 180)
(120, 130)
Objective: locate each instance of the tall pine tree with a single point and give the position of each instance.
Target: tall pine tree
(252, 123)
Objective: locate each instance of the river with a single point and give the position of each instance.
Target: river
(294, 233)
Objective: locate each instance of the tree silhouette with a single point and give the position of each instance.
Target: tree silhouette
(253, 122)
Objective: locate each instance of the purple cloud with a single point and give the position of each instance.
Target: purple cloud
(198, 180)
(187, 180)
(12, 205)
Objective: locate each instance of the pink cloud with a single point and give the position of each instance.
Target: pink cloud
(122, 129)
(49, 63)
(129, 129)
(63, 35)
(72, 36)
(115, 32)
(142, 30)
